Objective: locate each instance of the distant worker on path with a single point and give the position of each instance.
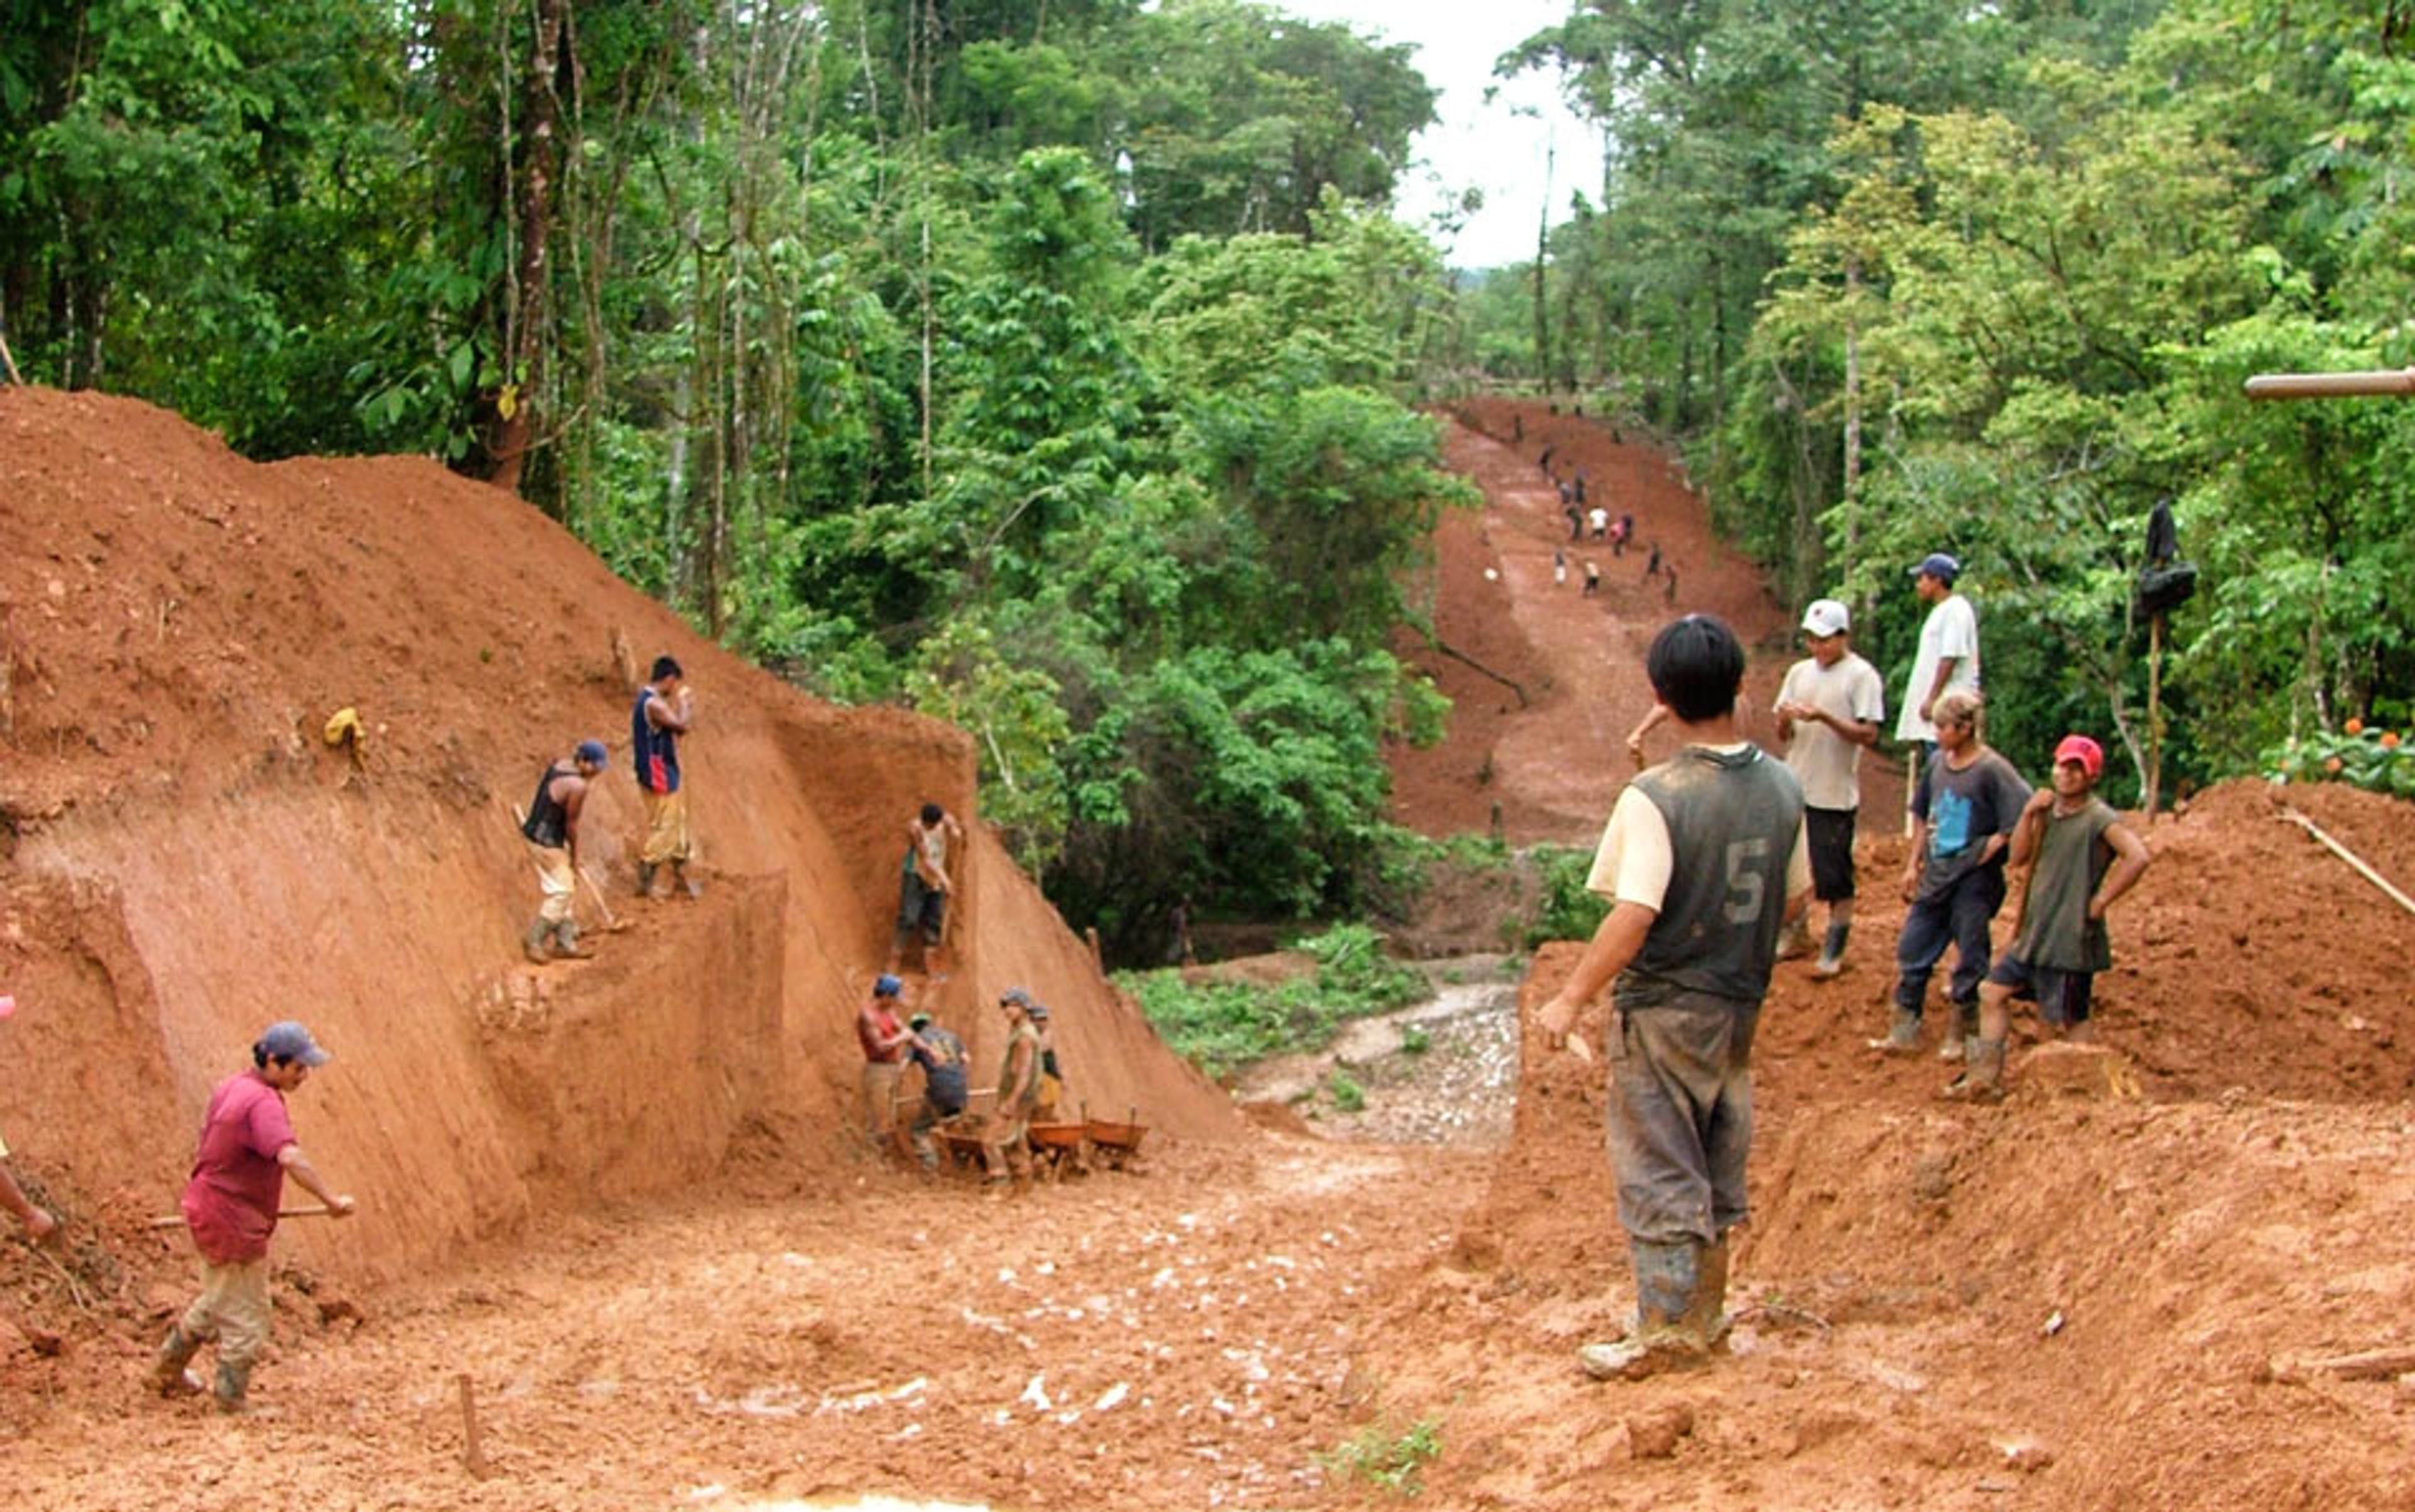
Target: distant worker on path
(925, 887)
(2087, 859)
(1964, 804)
(942, 1056)
(552, 830)
(885, 1042)
(665, 710)
(1703, 858)
(1005, 1149)
(1652, 567)
(1592, 579)
(1598, 519)
(1560, 568)
(1948, 656)
(247, 1150)
(1828, 711)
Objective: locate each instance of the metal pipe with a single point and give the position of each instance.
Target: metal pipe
(2331, 385)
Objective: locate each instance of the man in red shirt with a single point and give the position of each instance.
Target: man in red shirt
(885, 1042)
(239, 1169)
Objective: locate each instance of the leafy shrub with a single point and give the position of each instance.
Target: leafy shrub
(1347, 1094)
(2378, 761)
(1224, 1025)
(1388, 1458)
(1564, 911)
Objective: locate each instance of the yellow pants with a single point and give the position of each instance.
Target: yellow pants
(667, 834)
(553, 875)
(879, 1095)
(232, 1309)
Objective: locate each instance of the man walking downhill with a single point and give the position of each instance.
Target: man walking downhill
(665, 710)
(942, 1056)
(1828, 709)
(1704, 858)
(1964, 804)
(247, 1150)
(1005, 1150)
(2087, 857)
(1948, 656)
(885, 1043)
(932, 837)
(552, 830)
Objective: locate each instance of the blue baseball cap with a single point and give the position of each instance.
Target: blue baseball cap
(290, 1041)
(1939, 565)
(886, 985)
(593, 752)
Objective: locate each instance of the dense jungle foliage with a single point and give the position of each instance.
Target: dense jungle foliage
(1048, 364)
(1907, 276)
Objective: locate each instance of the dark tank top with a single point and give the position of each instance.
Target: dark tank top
(548, 822)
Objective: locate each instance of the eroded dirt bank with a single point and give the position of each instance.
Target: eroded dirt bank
(799, 1322)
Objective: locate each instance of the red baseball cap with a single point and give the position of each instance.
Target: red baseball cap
(2082, 749)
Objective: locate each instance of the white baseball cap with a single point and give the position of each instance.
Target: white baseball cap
(1825, 617)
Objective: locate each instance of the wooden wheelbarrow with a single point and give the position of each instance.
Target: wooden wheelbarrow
(1118, 1144)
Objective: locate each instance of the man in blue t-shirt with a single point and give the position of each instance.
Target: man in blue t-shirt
(1963, 809)
(665, 710)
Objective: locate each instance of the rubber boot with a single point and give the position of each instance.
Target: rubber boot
(565, 941)
(1707, 1317)
(1667, 1277)
(168, 1372)
(1903, 1036)
(1961, 1026)
(1983, 1073)
(1832, 953)
(233, 1380)
(645, 879)
(533, 943)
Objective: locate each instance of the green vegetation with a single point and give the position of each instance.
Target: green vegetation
(1919, 276)
(1049, 367)
(2378, 761)
(1414, 1042)
(1385, 1455)
(1346, 1093)
(1224, 1025)
(1563, 910)
(1040, 366)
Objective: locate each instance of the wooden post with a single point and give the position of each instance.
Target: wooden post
(11, 363)
(473, 1454)
(2155, 711)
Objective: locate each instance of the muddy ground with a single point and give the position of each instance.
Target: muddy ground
(2103, 1294)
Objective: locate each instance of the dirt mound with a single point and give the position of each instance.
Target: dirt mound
(186, 859)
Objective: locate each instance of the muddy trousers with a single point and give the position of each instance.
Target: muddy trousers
(1959, 917)
(232, 1309)
(1681, 1118)
(880, 1079)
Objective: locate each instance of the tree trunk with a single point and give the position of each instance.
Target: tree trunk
(514, 426)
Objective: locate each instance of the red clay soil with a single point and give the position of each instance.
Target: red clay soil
(2076, 1300)
(1552, 764)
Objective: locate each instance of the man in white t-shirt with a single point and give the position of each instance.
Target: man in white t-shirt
(1948, 656)
(1828, 709)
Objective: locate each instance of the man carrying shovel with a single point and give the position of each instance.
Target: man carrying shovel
(552, 830)
(231, 1208)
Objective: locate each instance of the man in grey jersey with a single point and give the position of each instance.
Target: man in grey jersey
(1704, 859)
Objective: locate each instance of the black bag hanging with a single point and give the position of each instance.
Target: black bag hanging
(2166, 582)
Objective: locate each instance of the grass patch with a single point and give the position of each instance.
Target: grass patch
(1386, 1456)
(1347, 1094)
(1225, 1024)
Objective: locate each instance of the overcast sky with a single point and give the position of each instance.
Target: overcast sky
(1475, 144)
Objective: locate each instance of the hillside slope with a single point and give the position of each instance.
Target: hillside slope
(186, 861)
